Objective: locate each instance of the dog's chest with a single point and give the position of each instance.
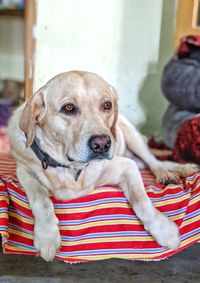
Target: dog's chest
(62, 178)
(64, 184)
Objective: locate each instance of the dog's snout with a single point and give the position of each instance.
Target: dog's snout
(100, 144)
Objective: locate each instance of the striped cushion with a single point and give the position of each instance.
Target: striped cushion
(102, 224)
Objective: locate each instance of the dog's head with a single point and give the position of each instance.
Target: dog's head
(77, 111)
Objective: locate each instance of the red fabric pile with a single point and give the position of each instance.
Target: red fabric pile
(187, 145)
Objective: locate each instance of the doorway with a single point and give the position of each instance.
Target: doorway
(17, 47)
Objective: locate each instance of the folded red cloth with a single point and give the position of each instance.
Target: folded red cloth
(102, 224)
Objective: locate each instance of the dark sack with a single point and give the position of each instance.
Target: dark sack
(181, 75)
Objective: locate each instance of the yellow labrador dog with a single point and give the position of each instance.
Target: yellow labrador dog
(68, 138)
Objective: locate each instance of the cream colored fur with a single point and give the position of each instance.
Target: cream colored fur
(61, 135)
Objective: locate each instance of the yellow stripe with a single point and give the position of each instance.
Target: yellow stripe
(100, 223)
(190, 221)
(161, 191)
(108, 240)
(21, 218)
(3, 198)
(4, 215)
(193, 201)
(18, 201)
(170, 201)
(177, 217)
(91, 208)
(18, 249)
(20, 233)
(190, 240)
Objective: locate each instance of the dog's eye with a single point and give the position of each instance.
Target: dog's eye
(69, 108)
(107, 106)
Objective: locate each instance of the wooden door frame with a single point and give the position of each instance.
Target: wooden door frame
(29, 46)
(185, 19)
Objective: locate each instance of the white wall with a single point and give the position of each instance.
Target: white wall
(115, 38)
(11, 48)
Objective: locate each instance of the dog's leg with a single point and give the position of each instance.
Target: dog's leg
(165, 172)
(47, 238)
(125, 172)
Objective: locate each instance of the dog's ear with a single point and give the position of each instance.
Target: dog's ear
(33, 113)
(115, 107)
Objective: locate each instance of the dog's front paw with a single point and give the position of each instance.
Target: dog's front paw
(166, 177)
(165, 232)
(188, 169)
(47, 240)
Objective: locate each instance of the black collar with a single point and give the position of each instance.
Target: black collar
(47, 161)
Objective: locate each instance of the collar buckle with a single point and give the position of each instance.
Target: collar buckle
(45, 162)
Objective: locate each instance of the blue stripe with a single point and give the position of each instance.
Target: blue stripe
(191, 178)
(195, 195)
(5, 194)
(13, 209)
(17, 244)
(189, 234)
(113, 251)
(153, 187)
(166, 197)
(175, 212)
(192, 214)
(106, 235)
(20, 229)
(3, 210)
(4, 228)
(12, 192)
(90, 203)
(96, 218)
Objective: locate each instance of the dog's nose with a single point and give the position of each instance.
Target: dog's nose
(100, 144)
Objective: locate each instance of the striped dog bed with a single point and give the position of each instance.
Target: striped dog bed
(102, 224)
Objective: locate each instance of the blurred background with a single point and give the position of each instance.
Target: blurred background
(126, 42)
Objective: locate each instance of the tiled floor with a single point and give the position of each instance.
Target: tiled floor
(182, 268)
